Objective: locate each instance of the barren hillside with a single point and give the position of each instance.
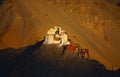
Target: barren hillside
(91, 23)
(40, 60)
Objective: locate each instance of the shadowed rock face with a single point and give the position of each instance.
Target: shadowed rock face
(91, 23)
(46, 61)
(1, 1)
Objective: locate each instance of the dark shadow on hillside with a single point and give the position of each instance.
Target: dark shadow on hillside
(23, 63)
(1, 1)
(118, 4)
(117, 73)
(15, 61)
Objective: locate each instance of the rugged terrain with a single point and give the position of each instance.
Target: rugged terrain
(92, 24)
(40, 60)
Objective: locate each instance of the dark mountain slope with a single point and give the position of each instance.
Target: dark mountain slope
(46, 61)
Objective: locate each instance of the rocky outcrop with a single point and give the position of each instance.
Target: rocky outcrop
(46, 61)
(6, 17)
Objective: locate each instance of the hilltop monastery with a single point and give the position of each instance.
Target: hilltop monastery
(56, 36)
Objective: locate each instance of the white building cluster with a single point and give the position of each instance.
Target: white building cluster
(56, 36)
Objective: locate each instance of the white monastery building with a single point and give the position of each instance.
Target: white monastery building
(56, 36)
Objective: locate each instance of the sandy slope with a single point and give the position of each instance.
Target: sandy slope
(92, 23)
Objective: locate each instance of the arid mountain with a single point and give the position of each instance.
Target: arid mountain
(93, 24)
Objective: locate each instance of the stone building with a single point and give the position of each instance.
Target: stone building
(56, 36)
